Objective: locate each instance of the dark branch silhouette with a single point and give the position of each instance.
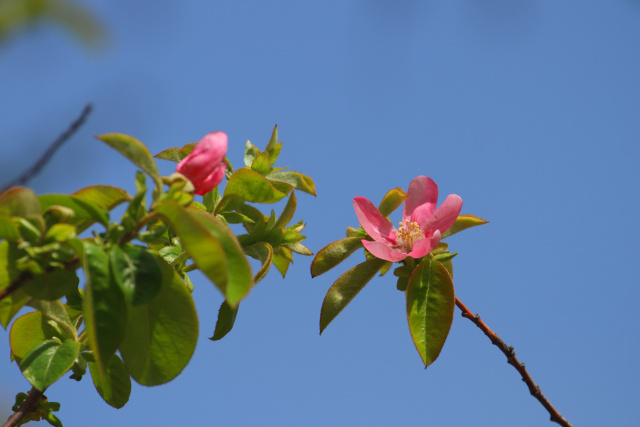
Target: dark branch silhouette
(53, 147)
(513, 360)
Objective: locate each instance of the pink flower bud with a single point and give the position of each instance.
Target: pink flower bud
(204, 166)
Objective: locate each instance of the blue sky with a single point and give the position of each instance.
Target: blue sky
(528, 110)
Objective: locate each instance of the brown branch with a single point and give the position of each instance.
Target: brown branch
(53, 147)
(27, 406)
(25, 277)
(513, 361)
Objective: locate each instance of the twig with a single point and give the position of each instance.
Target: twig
(42, 161)
(513, 361)
(27, 406)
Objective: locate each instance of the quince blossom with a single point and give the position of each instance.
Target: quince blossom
(422, 224)
(204, 166)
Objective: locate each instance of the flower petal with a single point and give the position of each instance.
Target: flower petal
(382, 251)
(424, 246)
(373, 222)
(211, 181)
(444, 216)
(421, 203)
(204, 157)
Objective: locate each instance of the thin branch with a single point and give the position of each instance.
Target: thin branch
(27, 406)
(513, 360)
(53, 147)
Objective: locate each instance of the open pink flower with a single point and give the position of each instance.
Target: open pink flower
(421, 227)
(204, 166)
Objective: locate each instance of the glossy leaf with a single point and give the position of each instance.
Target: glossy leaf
(392, 200)
(137, 273)
(346, 288)
(84, 212)
(249, 185)
(27, 331)
(226, 319)
(52, 285)
(104, 307)
(48, 361)
(430, 305)
(19, 201)
(11, 304)
(462, 223)
(204, 247)
(56, 311)
(333, 254)
(239, 276)
(295, 179)
(135, 151)
(115, 386)
(161, 335)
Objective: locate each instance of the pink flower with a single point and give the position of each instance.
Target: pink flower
(204, 166)
(421, 227)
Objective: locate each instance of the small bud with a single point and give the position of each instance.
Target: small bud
(204, 166)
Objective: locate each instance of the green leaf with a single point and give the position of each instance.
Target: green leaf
(85, 212)
(27, 331)
(52, 285)
(102, 196)
(176, 154)
(282, 259)
(462, 223)
(392, 200)
(60, 233)
(19, 201)
(137, 273)
(262, 163)
(295, 179)
(55, 311)
(104, 307)
(161, 335)
(273, 140)
(135, 151)
(333, 254)
(8, 230)
(226, 319)
(250, 153)
(11, 304)
(264, 253)
(115, 386)
(47, 362)
(430, 305)
(239, 277)
(204, 247)
(287, 213)
(346, 288)
(249, 185)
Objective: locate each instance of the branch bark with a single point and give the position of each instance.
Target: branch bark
(508, 351)
(27, 406)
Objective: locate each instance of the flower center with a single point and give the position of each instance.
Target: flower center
(408, 234)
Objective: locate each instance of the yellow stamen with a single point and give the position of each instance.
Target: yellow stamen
(407, 234)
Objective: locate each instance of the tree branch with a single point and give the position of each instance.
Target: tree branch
(27, 406)
(53, 147)
(513, 361)
(25, 277)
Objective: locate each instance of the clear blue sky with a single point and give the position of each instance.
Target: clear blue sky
(529, 110)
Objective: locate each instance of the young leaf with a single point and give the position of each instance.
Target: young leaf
(333, 254)
(176, 154)
(57, 312)
(262, 163)
(250, 153)
(392, 200)
(47, 362)
(84, 212)
(161, 335)
(27, 331)
(104, 307)
(430, 305)
(115, 386)
(239, 271)
(273, 140)
(462, 223)
(264, 253)
(226, 319)
(287, 213)
(295, 179)
(135, 151)
(249, 185)
(346, 288)
(19, 201)
(12, 303)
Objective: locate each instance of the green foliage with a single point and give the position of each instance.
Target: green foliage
(392, 200)
(333, 254)
(115, 386)
(430, 305)
(47, 361)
